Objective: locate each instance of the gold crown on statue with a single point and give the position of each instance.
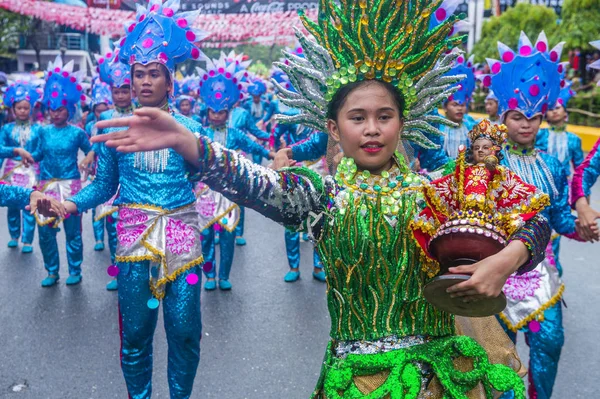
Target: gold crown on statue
(486, 129)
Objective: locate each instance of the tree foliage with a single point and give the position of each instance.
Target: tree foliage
(506, 28)
(11, 26)
(580, 23)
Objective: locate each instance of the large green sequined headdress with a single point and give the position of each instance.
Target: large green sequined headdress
(407, 43)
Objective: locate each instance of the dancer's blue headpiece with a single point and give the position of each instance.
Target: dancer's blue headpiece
(19, 91)
(220, 85)
(112, 71)
(528, 80)
(182, 98)
(101, 93)
(188, 85)
(282, 78)
(62, 87)
(257, 86)
(466, 86)
(566, 92)
(160, 34)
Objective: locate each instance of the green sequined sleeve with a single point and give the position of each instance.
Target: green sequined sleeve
(288, 196)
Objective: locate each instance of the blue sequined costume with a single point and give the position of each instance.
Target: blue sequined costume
(23, 135)
(14, 196)
(528, 81)
(57, 154)
(168, 189)
(563, 145)
(158, 251)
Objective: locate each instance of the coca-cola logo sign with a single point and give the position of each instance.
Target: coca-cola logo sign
(246, 6)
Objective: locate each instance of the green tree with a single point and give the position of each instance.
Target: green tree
(506, 28)
(580, 24)
(12, 25)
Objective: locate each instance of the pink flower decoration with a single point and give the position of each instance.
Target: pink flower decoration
(168, 12)
(519, 287)
(487, 81)
(180, 237)
(534, 90)
(206, 206)
(508, 56)
(131, 27)
(553, 56)
(513, 103)
(195, 53)
(218, 95)
(147, 43)
(496, 67)
(54, 94)
(525, 50)
(541, 46)
(182, 23)
(20, 179)
(191, 36)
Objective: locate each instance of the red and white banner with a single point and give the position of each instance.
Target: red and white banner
(224, 29)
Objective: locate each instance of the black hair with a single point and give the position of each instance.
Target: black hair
(340, 96)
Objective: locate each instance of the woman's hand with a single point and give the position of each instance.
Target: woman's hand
(85, 166)
(283, 159)
(489, 275)
(45, 206)
(26, 157)
(149, 129)
(587, 228)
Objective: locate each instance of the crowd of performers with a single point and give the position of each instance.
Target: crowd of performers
(360, 162)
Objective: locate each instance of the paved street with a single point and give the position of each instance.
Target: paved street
(264, 339)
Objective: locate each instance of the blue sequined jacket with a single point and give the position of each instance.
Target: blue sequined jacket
(546, 173)
(10, 137)
(57, 151)
(565, 146)
(241, 119)
(235, 139)
(14, 196)
(168, 188)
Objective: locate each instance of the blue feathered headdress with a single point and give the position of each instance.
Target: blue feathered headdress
(160, 34)
(62, 87)
(19, 91)
(528, 81)
(220, 85)
(183, 97)
(257, 86)
(466, 86)
(101, 93)
(280, 77)
(112, 71)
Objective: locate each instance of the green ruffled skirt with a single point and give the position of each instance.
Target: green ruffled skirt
(455, 367)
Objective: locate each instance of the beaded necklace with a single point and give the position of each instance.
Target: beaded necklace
(22, 132)
(530, 167)
(153, 161)
(558, 142)
(388, 185)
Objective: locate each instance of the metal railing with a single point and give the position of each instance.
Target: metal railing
(57, 41)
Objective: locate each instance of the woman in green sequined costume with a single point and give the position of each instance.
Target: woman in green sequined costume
(386, 340)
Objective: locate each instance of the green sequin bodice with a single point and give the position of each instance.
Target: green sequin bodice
(375, 269)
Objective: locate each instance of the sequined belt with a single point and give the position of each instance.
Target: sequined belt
(382, 345)
(170, 238)
(17, 174)
(214, 208)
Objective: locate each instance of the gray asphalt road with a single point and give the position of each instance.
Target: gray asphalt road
(264, 339)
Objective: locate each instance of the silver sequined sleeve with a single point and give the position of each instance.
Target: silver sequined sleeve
(287, 196)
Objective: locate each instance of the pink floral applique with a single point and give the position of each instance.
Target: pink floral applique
(519, 287)
(180, 237)
(20, 180)
(53, 194)
(130, 226)
(206, 206)
(75, 186)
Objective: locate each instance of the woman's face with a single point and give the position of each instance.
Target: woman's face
(59, 117)
(22, 110)
(368, 127)
(455, 111)
(482, 148)
(217, 119)
(557, 116)
(185, 107)
(491, 108)
(520, 129)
